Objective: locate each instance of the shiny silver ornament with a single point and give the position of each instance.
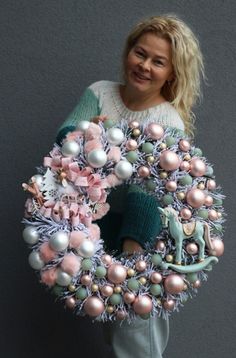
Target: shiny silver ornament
(59, 241)
(63, 279)
(30, 235)
(123, 169)
(38, 179)
(86, 249)
(83, 126)
(70, 148)
(97, 158)
(115, 136)
(35, 260)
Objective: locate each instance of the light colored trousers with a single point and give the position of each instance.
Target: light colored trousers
(141, 338)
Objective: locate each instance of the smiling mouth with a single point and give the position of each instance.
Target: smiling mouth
(141, 77)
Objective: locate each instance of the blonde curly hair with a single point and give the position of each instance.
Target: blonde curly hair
(187, 60)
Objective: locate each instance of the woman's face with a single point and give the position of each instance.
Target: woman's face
(149, 64)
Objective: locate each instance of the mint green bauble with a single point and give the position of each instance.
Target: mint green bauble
(81, 293)
(202, 213)
(133, 284)
(209, 171)
(132, 156)
(186, 180)
(87, 264)
(108, 123)
(197, 152)
(167, 199)
(100, 272)
(150, 185)
(170, 141)
(115, 299)
(147, 147)
(155, 290)
(57, 290)
(156, 259)
(217, 202)
(192, 277)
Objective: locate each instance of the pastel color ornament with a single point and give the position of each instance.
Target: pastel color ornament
(107, 290)
(131, 144)
(93, 132)
(136, 132)
(169, 160)
(174, 284)
(160, 245)
(171, 185)
(133, 284)
(94, 232)
(147, 147)
(97, 158)
(83, 125)
(195, 198)
(169, 304)
(143, 171)
(184, 165)
(100, 271)
(70, 264)
(192, 248)
(48, 277)
(197, 167)
(63, 278)
(59, 241)
(35, 260)
(94, 306)
(86, 280)
(209, 171)
(197, 152)
(192, 277)
(81, 293)
(134, 124)
(132, 156)
(106, 259)
(150, 159)
(156, 277)
(208, 200)
(167, 199)
(30, 235)
(116, 273)
(115, 299)
(142, 304)
(86, 264)
(129, 297)
(108, 123)
(184, 145)
(150, 185)
(70, 149)
(115, 136)
(156, 259)
(185, 213)
(170, 141)
(123, 169)
(91, 145)
(46, 253)
(140, 266)
(218, 247)
(197, 284)
(120, 315)
(155, 131)
(155, 289)
(86, 249)
(211, 184)
(212, 215)
(186, 180)
(70, 302)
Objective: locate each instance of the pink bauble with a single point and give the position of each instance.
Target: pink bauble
(155, 131)
(143, 171)
(185, 213)
(46, 253)
(169, 160)
(160, 245)
(197, 284)
(208, 200)
(49, 276)
(70, 264)
(169, 305)
(218, 247)
(121, 315)
(134, 124)
(174, 284)
(86, 280)
(156, 277)
(76, 238)
(211, 184)
(140, 265)
(171, 185)
(195, 197)
(70, 302)
(107, 290)
(197, 167)
(184, 145)
(116, 273)
(94, 306)
(212, 215)
(106, 259)
(192, 248)
(142, 305)
(129, 297)
(184, 165)
(131, 144)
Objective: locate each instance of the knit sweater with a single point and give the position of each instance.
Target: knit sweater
(133, 213)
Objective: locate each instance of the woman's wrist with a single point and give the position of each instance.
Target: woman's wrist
(130, 246)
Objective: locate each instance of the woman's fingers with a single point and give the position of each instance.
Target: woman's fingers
(99, 118)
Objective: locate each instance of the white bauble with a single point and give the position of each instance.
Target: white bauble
(59, 241)
(86, 249)
(83, 125)
(70, 148)
(35, 260)
(123, 169)
(63, 278)
(30, 235)
(97, 158)
(115, 136)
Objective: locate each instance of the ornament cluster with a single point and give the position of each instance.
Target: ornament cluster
(68, 196)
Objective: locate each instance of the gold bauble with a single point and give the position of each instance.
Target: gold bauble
(110, 309)
(117, 289)
(201, 186)
(159, 302)
(187, 157)
(130, 272)
(136, 132)
(150, 159)
(163, 175)
(143, 280)
(180, 195)
(185, 287)
(219, 215)
(71, 288)
(169, 258)
(163, 145)
(94, 287)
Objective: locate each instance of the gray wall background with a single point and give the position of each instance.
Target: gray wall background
(50, 51)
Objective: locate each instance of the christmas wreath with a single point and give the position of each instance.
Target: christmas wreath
(69, 194)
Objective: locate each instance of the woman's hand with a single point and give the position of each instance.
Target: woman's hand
(131, 246)
(98, 118)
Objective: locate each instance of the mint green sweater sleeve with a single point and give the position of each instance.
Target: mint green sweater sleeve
(86, 109)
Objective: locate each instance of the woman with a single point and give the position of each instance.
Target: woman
(162, 66)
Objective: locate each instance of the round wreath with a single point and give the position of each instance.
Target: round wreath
(69, 193)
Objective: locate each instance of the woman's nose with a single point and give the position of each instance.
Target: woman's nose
(145, 64)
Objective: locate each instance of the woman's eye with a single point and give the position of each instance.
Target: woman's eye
(140, 54)
(158, 63)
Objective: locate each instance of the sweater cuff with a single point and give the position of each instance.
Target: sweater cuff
(142, 221)
(63, 133)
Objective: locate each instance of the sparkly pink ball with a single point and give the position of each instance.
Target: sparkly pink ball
(218, 247)
(184, 165)
(93, 306)
(121, 315)
(155, 131)
(107, 290)
(169, 160)
(174, 284)
(129, 297)
(117, 273)
(192, 248)
(156, 277)
(171, 185)
(211, 184)
(195, 197)
(143, 171)
(185, 213)
(106, 259)
(134, 124)
(169, 305)
(140, 265)
(208, 200)
(70, 302)
(198, 167)
(197, 284)
(212, 215)
(86, 280)
(142, 305)
(131, 144)
(160, 245)
(184, 145)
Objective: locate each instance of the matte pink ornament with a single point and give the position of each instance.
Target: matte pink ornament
(70, 264)
(143, 171)
(140, 265)
(76, 238)
(106, 259)
(46, 253)
(169, 160)
(184, 165)
(70, 302)
(169, 305)
(134, 124)
(218, 247)
(155, 131)
(197, 284)
(212, 215)
(198, 167)
(184, 145)
(94, 306)
(171, 185)
(107, 290)
(129, 297)
(142, 305)
(121, 315)
(195, 197)
(174, 284)
(211, 184)
(131, 144)
(86, 280)
(192, 248)
(49, 276)
(208, 200)
(116, 273)
(156, 277)
(94, 232)
(160, 245)
(185, 213)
